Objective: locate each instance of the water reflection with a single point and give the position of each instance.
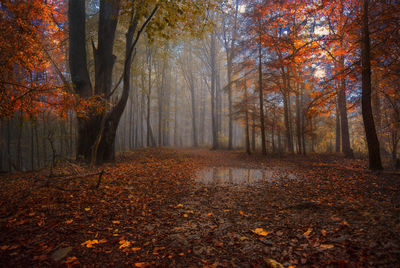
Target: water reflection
(240, 176)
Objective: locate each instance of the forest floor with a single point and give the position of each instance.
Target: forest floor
(150, 210)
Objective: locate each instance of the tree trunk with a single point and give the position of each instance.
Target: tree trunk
(261, 98)
(298, 123)
(247, 120)
(369, 124)
(344, 125)
(337, 134)
(214, 129)
(253, 130)
(230, 129)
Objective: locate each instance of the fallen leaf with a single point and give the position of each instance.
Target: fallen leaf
(307, 233)
(326, 246)
(124, 243)
(70, 259)
(116, 222)
(87, 209)
(90, 243)
(260, 231)
(69, 221)
(136, 249)
(272, 263)
(141, 264)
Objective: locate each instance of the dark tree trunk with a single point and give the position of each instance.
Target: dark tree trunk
(261, 97)
(253, 129)
(247, 121)
(298, 123)
(369, 124)
(286, 119)
(337, 134)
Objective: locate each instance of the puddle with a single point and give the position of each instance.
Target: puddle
(241, 176)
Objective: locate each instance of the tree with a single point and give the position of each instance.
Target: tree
(369, 124)
(30, 53)
(97, 143)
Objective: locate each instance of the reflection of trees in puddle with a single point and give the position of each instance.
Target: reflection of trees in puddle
(240, 176)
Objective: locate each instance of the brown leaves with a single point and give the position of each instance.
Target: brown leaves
(246, 224)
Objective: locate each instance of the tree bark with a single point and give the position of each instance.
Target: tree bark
(344, 125)
(247, 120)
(337, 133)
(369, 124)
(261, 97)
(214, 129)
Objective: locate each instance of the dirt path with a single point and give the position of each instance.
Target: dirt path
(151, 211)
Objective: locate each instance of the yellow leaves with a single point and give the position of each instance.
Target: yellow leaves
(87, 209)
(179, 206)
(124, 244)
(141, 264)
(90, 243)
(326, 246)
(72, 259)
(260, 231)
(116, 222)
(272, 263)
(345, 223)
(308, 232)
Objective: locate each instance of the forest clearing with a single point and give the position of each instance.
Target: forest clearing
(151, 210)
(200, 133)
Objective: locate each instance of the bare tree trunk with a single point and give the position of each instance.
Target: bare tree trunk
(214, 129)
(32, 146)
(253, 131)
(202, 117)
(369, 124)
(19, 150)
(344, 125)
(298, 123)
(279, 140)
(337, 135)
(247, 120)
(290, 122)
(286, 119)
(38, 164)
(261, 96)
(161, 106)
(176, 113)
(149, 67)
